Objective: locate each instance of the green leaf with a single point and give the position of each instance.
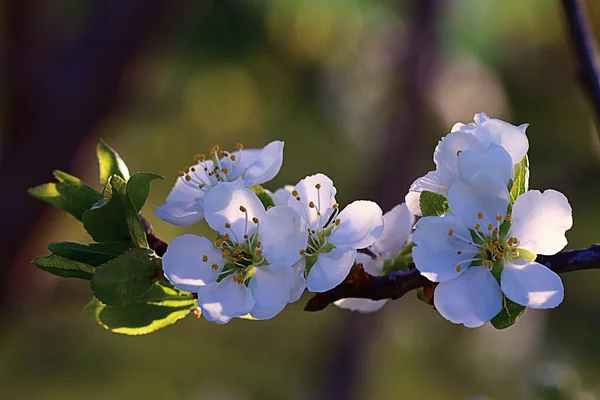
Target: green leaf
(114, 217)
(93, 254)
(69, 194)
(126, 279)
(61, 266)
(432, 204)
(138, 188)
(521, 179)
(105, 221)
(110, 163)
(509, 315)
(263, 196)
(162, 306)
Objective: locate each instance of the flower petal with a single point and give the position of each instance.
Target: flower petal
(361, 224)
(398, 226)
(472, 299)
(431, 182)
(447, 151)
(360, 305)
(180, 213)
(495, 160)
(508, 136)
(222, 301)
(283, 234)
(222, 205)
(300, 280)
(531, 284)
(266, 166)
(271, 286)
(540, 221)
(484, 193)
(183, 263)
(323, 198)
(282, 195)
(330, 270)
(438, 254)
(184, 192)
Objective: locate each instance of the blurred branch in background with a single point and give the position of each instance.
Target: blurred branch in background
(585, 50)
(57, 90)
(414, 59)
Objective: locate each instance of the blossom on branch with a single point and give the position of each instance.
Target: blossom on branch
(185, 203)
(485, 145)
(251, 268)
(333, 236)
(399, 222)
(479, 250)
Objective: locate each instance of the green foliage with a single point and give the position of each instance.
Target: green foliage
(162, 306)
(263, 196)
(433, 204)
(61, 266)
(138, 188)
(114, 217)
(93, 254)
(110, 163)
(521, 179)
(509, 315)
(68, 194)
(400, 262)
(126, 279)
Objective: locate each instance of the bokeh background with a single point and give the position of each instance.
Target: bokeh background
(358, 89)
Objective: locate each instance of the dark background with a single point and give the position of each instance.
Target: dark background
(360, 90)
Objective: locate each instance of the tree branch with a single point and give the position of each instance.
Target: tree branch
(399, 283)
(583, 41)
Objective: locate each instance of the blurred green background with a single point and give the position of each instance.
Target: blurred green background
(324, 76)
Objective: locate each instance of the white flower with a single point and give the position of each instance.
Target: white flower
(185, 203)
(467, 250)
(281, 196)
(486, 145)
(334, 236)
(251, 268)
(398, 226)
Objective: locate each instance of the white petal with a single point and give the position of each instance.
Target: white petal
(480, 118)
(266, 166)
(323, 198)
(508, 136)
(523, 127)
(184, 192)
(446, 154)
(438, 254)
(360, 305)
(183, 263)
(282, 195)
(495, 160)
(541, 220)
(431, 182)
(222, 205)
(484, 193)
(222, 301)
(472, 299)
(330, 270)
(299, 282)
(271, 286)
(372, 266)
(398, 226)
(282, 234)
(181, 214)
(361, 223)
(531, 284)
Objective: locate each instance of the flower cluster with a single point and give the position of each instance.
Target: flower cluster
(478, 237)
(482, 248)
(262, 257)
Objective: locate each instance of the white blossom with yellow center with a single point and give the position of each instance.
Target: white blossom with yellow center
(251, 268)
(477, 252)
(333, 236)
(185, 203)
